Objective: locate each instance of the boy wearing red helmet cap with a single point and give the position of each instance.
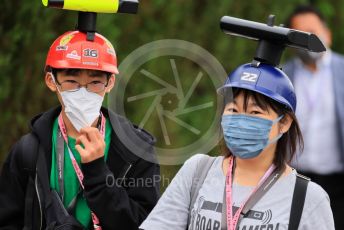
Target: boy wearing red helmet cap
(70, 172)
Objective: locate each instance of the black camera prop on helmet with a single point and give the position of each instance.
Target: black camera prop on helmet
(272, 40)
(262, 75)
(88, 9)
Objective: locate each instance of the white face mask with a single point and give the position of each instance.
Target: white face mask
(81, 107)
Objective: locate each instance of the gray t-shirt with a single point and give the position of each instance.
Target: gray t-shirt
(271, 212)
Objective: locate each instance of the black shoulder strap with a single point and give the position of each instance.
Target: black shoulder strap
(298, 201)
(200, 174)
(29, 153)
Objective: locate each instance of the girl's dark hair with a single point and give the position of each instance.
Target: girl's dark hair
(288, 143)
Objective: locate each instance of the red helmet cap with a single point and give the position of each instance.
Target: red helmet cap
(73, 50)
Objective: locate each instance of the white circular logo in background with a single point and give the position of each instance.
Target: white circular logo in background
(179, 107)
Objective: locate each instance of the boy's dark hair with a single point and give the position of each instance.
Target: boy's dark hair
(75, 71)
(304, 9)
(288, 143)
(55, 71)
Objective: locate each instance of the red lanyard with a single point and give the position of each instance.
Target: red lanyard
(233, 221)
(76, 167)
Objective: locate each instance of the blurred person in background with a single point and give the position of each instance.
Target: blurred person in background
(319, 84)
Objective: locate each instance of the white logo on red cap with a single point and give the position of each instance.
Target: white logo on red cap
(73, 55)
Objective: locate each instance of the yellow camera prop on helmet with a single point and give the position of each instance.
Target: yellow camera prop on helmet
(96, 6)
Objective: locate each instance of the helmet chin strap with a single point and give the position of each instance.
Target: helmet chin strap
(58, 89)
(53, 79)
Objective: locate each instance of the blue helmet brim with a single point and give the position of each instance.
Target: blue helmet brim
(260, 90)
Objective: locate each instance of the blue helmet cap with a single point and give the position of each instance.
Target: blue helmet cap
(264, 79)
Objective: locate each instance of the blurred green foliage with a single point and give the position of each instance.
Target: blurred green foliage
(27, 29)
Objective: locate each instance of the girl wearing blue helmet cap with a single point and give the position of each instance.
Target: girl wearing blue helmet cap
(251, 186)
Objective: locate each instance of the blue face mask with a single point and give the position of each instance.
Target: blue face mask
(247, 136)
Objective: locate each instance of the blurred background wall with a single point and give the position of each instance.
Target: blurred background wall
(27, 29)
